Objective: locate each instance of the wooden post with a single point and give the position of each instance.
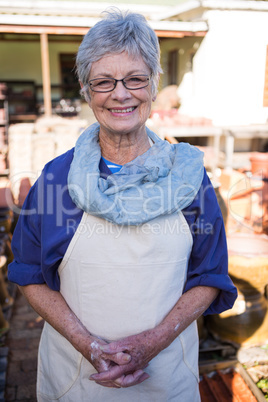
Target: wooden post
(46, 74)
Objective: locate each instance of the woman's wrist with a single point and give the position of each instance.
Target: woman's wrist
(157, 339)
(80, 338)
(165, 334)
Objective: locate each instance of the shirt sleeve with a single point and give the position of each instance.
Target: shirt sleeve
(208, 264)
(26, 266)
(46, 225)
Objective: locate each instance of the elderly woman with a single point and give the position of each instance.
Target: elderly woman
(120, 245)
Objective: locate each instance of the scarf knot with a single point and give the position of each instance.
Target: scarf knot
(161, 181)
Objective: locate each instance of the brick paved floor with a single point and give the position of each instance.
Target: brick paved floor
(22, 341)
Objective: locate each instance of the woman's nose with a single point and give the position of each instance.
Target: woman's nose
(120, 92)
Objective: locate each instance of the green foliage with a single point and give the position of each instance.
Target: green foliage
(263, 385)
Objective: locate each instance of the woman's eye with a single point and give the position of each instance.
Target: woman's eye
(103, 83)
(135, 80)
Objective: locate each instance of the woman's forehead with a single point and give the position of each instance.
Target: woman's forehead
(119, 63)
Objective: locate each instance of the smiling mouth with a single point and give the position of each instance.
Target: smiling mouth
(127, 110)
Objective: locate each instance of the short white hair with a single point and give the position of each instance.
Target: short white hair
(118, 32)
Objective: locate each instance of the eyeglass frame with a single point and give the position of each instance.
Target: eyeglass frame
(122, 80)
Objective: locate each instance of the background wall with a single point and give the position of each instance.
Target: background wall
(22, 61)
(229, 67)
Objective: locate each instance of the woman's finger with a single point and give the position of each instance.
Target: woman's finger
(119, 358)
(132, 379)
(113, 348)
(112, 374)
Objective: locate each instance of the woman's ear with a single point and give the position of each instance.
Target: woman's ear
(157, 84)
(85, 94)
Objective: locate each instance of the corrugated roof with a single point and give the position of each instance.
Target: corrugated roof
(46, 20)
(51, 13)
(135, 2)
(52, 7)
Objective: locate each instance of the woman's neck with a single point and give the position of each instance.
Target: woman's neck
(123, 148)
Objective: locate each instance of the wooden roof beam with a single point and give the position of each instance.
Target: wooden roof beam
(50, 30)
(53, 30)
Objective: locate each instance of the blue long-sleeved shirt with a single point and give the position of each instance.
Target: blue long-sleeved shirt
(49, 219)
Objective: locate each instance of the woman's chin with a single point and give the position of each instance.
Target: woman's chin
(124, 127)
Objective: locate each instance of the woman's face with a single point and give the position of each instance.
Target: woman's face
(121, 111)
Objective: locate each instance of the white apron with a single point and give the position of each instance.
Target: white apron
(120, 281)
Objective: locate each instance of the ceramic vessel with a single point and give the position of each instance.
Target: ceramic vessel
(247, 322)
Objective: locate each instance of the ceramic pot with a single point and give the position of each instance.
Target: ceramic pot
(247, 322)
(259, 169)
(248, 262)
(259, 163)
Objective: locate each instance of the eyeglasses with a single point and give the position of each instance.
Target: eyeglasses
(108, 84)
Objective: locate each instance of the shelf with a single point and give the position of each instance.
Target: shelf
(4, 172)
(22, 117)
(21, 96)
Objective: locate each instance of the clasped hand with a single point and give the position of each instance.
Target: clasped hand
(122, 363)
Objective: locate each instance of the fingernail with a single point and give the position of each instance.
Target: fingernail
(126, 358)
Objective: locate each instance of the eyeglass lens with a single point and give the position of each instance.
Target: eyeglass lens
(109, 84)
